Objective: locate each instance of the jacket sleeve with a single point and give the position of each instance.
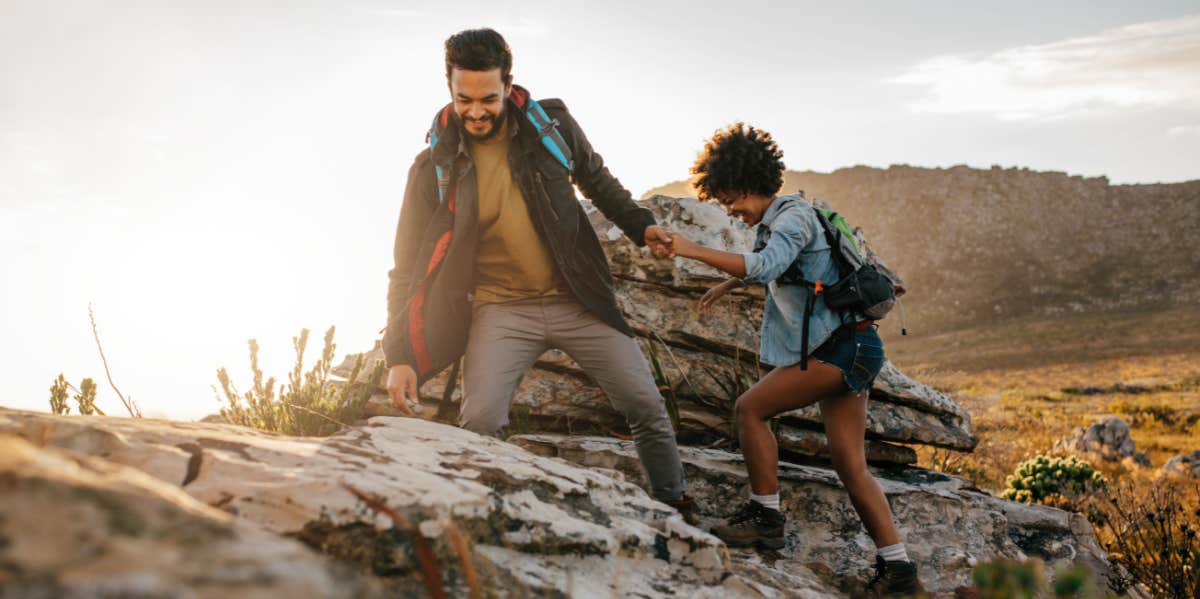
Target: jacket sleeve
(415, 212)
(791, 231)
(596, 182)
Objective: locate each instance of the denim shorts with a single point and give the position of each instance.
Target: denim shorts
(858, 354)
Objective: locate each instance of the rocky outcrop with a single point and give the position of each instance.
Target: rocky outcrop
(985, 245)
(1187, 464)
(136, 506)
(1108, 440)
(72, 525)
(703, 362)
(947, 526)
(524, 525)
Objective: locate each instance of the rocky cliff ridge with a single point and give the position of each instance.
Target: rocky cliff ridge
(986, 245)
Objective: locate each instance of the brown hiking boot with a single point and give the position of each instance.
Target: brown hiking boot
(753, 525)
(686, 508)
(894, 579)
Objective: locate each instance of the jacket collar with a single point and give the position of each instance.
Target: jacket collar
(777, 206)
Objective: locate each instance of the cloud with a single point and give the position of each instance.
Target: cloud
(1143, 66)
(1184, 130)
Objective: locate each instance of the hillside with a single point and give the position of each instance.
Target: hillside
(978, 247)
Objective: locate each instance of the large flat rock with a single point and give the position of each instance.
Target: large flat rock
(534, 525)
(947, 527)
(79, 526)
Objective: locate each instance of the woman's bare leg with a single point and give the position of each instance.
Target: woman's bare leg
(781, 390)
(845, 419)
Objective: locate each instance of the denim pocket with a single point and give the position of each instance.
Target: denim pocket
(868, 359)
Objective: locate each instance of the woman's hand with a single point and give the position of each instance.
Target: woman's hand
(681, 246)
(714, 294)
(729, 262)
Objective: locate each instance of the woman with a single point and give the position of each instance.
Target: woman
(742, 169)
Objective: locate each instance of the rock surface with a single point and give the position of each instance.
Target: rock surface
(1187, 464)
(79, 526)
(532, 525)
(947, 527)
(705, 361)
(131, 505)
(1108, 439)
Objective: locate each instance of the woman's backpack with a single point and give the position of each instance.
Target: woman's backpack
(861, 288)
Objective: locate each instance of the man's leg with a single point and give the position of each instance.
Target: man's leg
(504, 342)
(616, 362)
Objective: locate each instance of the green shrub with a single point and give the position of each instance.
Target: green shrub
(58, 396)
(1052, 480)
(85, 397)
(1005, 578)
(311, 404)
(1011, 579)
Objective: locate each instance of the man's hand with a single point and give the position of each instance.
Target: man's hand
(659, 240)
(402, 387)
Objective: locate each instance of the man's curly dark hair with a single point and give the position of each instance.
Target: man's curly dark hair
(738, 160)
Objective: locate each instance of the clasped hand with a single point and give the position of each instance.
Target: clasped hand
(665, 243)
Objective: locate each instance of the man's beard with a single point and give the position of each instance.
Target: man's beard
(495, 120)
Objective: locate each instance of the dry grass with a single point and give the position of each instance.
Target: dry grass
(1029, 383)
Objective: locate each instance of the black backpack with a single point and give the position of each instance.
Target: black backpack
(861, 289)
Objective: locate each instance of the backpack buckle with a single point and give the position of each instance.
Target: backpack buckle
(547, 128)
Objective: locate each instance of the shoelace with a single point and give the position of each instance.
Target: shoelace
(744, 513)
(881, 568)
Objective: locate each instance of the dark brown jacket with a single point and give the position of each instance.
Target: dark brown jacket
(429, 311)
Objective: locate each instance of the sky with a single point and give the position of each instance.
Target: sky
(206, 172)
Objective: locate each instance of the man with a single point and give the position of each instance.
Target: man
(495, 259)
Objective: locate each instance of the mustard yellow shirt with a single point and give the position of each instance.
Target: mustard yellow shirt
(512, 261)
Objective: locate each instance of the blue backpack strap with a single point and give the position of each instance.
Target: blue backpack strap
(546, 127)
(443, 178)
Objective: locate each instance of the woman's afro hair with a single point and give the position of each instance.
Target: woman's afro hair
(738, 160)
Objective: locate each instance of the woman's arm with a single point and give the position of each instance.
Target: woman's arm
(714, 294)
(729, 262)
(791, 231)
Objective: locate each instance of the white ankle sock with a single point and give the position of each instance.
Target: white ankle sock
(894, 553)
(771, 501)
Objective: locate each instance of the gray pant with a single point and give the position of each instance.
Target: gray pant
(507, 338)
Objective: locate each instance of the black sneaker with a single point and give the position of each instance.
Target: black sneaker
(894, 579)
(753, 525)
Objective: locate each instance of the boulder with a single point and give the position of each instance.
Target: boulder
(72, 525)
(211, 508)
(1187, 464)
(203, 496)
(946, 525)
(1108, 440)
(703, 361)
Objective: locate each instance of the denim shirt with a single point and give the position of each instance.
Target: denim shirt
(789, 229)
